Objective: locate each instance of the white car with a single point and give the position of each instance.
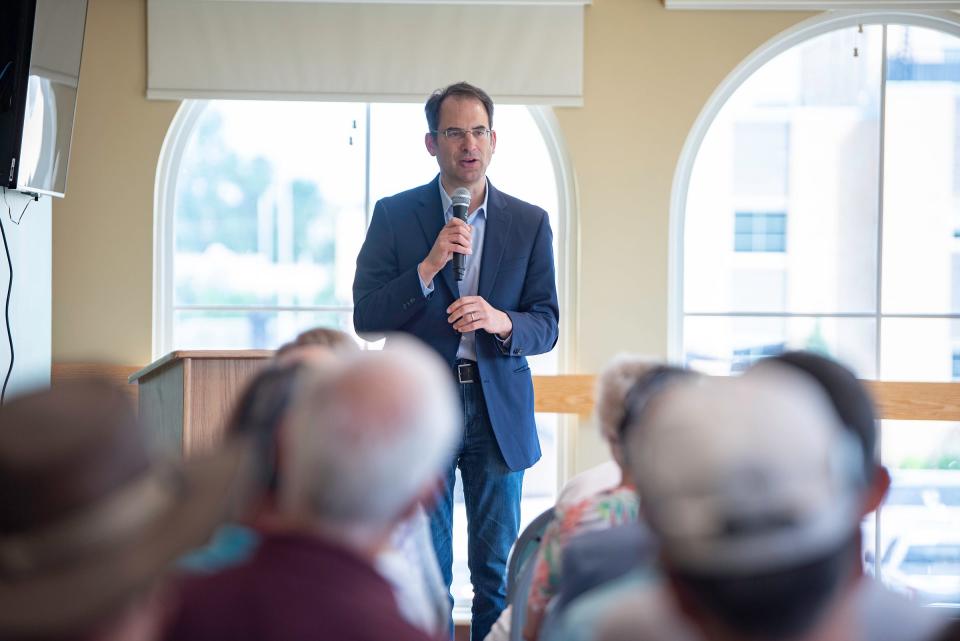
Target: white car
(925, 568)
(920, 502)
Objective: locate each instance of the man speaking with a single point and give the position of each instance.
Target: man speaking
(485, 325)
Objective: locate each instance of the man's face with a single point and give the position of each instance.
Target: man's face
(463, 163)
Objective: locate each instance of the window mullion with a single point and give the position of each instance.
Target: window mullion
(367, 211)
(879, 281)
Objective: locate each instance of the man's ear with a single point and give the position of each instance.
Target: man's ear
(430, 141)
(877, 491)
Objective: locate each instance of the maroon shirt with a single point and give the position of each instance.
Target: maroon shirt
(295, 588)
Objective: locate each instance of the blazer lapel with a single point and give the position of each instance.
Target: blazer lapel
(496, 233)
(430, 215)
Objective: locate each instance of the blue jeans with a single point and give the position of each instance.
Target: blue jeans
(492, 495)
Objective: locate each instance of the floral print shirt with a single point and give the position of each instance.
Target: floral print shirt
(610, 508)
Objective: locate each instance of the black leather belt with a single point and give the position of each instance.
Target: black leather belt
(466, 371)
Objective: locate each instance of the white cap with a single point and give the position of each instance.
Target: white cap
(746, 475)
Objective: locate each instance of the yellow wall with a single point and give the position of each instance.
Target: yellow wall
(647, 74)
(103, 230)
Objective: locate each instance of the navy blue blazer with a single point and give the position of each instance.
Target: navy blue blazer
(516, 277)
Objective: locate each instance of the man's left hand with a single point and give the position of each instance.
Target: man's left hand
(470, 313)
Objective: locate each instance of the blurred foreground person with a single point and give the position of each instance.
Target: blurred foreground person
(261, 414)
(577, 501)
(89, 523)
(258, 416)
(606, 563)
(756, 490)
(367, 439)
(409, 562)
(627, 379)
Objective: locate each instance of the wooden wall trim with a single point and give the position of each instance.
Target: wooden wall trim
(916, 401)
(573, 393)
(569, 394)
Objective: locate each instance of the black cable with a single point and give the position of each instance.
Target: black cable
(6, 249)
(23, 211)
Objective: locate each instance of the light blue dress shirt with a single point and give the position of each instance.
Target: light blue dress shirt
(471, 263)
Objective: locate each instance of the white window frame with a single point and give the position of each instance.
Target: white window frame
(171, 155)
(943, 21)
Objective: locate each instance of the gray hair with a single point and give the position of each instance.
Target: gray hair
(613, 384)
(368, 437)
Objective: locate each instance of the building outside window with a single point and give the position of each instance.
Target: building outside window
(760, 232)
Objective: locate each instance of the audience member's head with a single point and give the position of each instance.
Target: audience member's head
(265, 401)
(754, 489)
(89, 522)
(368, 439)
(258, 415)
(613, 384)
(624, 388)
(319, 344)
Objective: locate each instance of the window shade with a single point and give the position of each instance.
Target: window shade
(376, 52)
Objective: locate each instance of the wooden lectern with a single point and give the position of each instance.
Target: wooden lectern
(186, 397)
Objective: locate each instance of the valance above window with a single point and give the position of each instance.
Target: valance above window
(372, 51)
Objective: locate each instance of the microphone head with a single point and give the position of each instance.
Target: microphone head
(461, 197)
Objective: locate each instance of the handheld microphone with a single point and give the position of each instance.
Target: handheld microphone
(461, 202)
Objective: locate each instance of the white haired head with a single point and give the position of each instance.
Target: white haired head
(368, 438)
(613, 384)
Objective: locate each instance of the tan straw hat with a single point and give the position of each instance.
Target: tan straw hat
(87, 517)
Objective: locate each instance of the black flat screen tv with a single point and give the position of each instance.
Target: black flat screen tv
(40, 46)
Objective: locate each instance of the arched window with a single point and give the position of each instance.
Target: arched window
(817, 206)
(262, 207)
(266, 204)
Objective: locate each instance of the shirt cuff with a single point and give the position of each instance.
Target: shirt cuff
(424, 288)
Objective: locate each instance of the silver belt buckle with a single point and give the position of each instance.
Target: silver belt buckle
(461, 375)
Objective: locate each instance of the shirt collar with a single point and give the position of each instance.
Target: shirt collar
(447, 201)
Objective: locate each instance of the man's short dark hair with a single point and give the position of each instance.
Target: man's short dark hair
(783, 604)
(457, 90)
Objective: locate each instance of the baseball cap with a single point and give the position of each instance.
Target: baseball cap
(745, 475)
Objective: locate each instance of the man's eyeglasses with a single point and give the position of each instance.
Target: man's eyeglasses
(454, 133)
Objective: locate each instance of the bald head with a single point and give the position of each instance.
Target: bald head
(369, 436)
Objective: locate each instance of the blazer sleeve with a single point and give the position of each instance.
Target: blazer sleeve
(535, 322)
(385, 297)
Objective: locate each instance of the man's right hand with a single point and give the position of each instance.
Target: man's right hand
(453, 238)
